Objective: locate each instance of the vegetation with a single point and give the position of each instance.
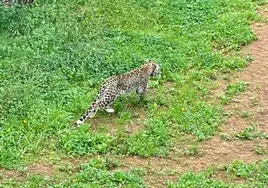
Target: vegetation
(250, 175)
(54, 54)
(250, 133)
(93, 174)
(232, 90)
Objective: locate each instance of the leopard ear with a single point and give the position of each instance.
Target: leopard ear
(147, 61)
(153, 68)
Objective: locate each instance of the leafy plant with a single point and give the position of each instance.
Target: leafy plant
(83, 142)
(95, 174)
(250, 133)
(232, 90)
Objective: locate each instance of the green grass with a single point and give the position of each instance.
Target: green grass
(94, 173)
(250, 175)
(97, 173)
(53, 56)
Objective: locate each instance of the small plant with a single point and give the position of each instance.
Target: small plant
(192, 151)
(245, 114)
(101, 163)
(68, 168)
(249, 58)
(155, 140)
(226, 137)
(232, 90)
(250, 133)
(254, 101)
(196, 180)
(253, 173)
(124, 117)
(95, 174)
(83, 142)
(259, 149)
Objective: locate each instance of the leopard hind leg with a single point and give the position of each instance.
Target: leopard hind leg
(103, 101)
(107, 101)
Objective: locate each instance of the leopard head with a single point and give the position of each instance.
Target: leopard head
(154, 68)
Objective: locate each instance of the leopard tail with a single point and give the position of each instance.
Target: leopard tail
(90, 112)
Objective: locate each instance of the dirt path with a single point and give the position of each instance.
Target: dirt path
(219, 151)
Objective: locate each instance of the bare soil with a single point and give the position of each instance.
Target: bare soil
(37, 169)
(41, 169)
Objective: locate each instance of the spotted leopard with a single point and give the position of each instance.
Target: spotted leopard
(114, 86)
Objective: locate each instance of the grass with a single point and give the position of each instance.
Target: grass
(94, 173)
(53, 56)
(249, 174)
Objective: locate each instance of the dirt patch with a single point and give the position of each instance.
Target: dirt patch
(214, 152)
(234, 125)
(8, 174)
(218, 151)
(255, 100)
(264, 12)
(19, 176)
(41, 169)
(222, 176)
(22, 175)
(37, 169)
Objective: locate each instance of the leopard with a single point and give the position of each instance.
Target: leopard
(136, 80)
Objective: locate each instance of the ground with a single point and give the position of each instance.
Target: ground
(241, 136)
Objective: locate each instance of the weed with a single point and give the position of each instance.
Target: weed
(254, 101)
(37, 181)
(197, 180)
(191, 151)
(155, 140)
(253, 174)
(83, 142)
(226, 136)
(95, 174)
(124, 117)
(250, 133)
(259, 149)
(245, 114)
(232, 90)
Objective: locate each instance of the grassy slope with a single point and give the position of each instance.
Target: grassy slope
(53, 55)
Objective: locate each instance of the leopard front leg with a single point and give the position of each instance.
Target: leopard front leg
(141, 90)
